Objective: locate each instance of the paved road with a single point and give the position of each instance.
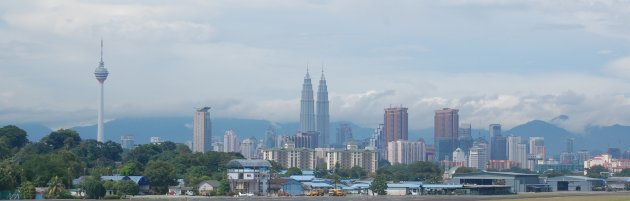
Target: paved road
(392, 198)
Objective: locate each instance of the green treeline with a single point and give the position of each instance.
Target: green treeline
(62, 156)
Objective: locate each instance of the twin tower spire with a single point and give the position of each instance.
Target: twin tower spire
(311, 122)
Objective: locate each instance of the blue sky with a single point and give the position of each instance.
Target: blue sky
(498, 61)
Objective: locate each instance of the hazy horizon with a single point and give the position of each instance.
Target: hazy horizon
(506, 62)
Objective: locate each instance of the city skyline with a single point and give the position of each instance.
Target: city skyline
(398, 56)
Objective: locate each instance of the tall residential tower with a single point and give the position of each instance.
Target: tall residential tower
(202, 130)
(101, 75)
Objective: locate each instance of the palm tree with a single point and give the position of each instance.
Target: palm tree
(55, 187)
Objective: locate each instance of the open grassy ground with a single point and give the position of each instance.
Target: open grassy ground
(569, 197)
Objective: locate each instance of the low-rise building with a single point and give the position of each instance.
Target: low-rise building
(518, 182)
(576, 183)
(205, 187)
(607, 161)
(249, 176)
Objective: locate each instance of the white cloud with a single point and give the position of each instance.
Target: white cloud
(620, 67)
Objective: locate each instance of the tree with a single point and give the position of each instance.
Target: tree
(320, 171)
(379, 185)
(55, 188)
(62, 138)
(127, 187)
(462, 170)
(131, 168)
(275, 167)
(27, 190)
(14, 136)
(293, 171)
(93, 188)
(8, 176)
(160, 174)
(624, 173)
(595, 171)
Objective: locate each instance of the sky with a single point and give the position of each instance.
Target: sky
(505, 62)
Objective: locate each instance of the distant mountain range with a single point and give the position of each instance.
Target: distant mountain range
(179, 129)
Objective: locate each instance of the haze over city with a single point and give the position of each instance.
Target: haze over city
(505, 62)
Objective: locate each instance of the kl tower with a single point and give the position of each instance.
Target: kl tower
(101, 75)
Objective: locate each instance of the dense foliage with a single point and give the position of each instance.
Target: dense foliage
(62, 156)
(418, 171)
(379, 185)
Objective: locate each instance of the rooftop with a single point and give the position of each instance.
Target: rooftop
(244, 163)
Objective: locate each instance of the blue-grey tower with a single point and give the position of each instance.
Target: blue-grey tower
(101, 74)
(323, 117)
(307, 106)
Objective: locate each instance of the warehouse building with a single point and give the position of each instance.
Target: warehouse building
(576, 183)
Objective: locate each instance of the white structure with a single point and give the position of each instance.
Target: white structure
(521, 153)
(248, 148)
(517, 150)
(405, 152)
(101, 74)
(202, 130)
(307, 106)
(323, 116)
(217, 146)
(229, 142)
(459, 156)
(156, 140)
(351, 157)
(126, 142)
(478, 157)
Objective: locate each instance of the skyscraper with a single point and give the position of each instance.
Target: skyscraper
(101, 74)
(270, 138)
(570, 142)
(344, 134)
(406, 152)
(323, 117)
(202, 130)
(477, 157)
(446, 132)
(498, 148)
(395, 124)
(517, 150)
(230, 144)
(537, 147)
(307, 106)
(465, 138)
(248, 148)
(494, 129)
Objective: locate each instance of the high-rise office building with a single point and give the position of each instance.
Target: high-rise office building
(498, 144)
(270, 138)
(230, 144)
(446, 132)
(494, 129)
(517, 150)
(377, 141)
(344, 135)
(323, 116)
(570, 142)
(537, 148)
(406, 152)
(303, 140)
(477, 157)
(307, 106)
(465, 138)
(395, 124)
(459, 156)
(126, 141)
(101, 74)
(202, 130)
(248, 148)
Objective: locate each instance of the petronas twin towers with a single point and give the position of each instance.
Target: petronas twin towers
(311, 122)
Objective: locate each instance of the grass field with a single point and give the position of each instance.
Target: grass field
(577, 198)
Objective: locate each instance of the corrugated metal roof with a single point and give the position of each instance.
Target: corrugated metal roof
(403, 185)
(303, 177)
(442, 186)
(573, 178)
(244, 163)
